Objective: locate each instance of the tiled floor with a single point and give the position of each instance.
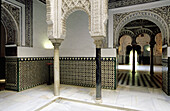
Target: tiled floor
(140, 79)
(139, 98)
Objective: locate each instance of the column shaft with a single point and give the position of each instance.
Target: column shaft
(141, 57)
(151, 60)
(98, 73)
(133, 64)
(56, 71)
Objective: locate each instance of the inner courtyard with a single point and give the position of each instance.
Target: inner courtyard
(90, 55)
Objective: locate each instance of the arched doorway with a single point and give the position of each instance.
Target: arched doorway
(2, 57)
(57, 31)
(141, 51)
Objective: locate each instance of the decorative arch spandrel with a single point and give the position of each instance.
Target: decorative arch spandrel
(123, 19)
(11, 26)
(59, 10)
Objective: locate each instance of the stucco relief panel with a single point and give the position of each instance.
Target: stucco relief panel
(124, 42)
(58, 11)
(123, 3)
(14, 11)
(11, 23)
(70, 6)
(158, 14)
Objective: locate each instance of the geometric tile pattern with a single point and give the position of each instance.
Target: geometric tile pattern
(78, 71)
(168, 76)
(32, 72)
(141, 79)
(165, 76)
(24, 73)
(108, 73)
(81, 71)
(2, 67)
(11, 73)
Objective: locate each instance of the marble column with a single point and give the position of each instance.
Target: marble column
(152, 43)
(56, 43)
(133, 64)
(98, 42)
(151, 59)
(141, 57)
(98, 73)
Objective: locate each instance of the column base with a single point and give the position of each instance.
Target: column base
(98, 101)
(56, 92)
(151, 73)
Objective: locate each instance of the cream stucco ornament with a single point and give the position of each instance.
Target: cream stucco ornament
(59, 10)
(57, 13)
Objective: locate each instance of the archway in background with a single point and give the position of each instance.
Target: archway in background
(124, 41)
(147, 15)
(143, 41)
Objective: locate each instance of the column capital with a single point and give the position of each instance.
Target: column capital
(56, 42)
(133, 43)
(152, 43)
(98, 41)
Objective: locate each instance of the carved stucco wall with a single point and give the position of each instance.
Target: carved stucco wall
(10, 17)
(58, 11)
(15, 11)
(124, 42)
(123, 3)
(158, 45)
(142, 41)
(160, 16)
(28, 22)
(69, 7)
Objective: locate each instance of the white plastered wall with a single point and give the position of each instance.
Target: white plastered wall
(78, 42)
(40, 38)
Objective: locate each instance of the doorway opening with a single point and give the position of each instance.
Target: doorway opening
(139, 55)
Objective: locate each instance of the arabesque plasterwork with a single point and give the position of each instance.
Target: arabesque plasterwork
(59, 10)
(159, 16)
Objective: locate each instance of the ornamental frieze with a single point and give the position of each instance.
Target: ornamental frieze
(160, 15)
(10, 26)
(123, 3)
(28, 21)
(15, 11)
